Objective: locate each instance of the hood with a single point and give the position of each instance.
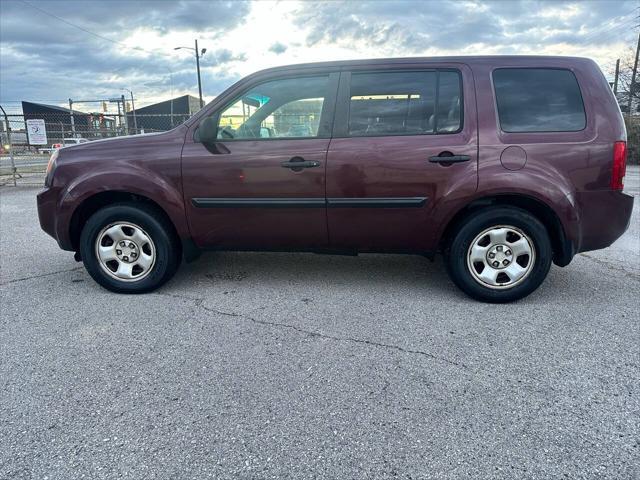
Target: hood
(131, 148)
(114, 142)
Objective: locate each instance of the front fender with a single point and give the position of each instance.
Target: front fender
(165, 191)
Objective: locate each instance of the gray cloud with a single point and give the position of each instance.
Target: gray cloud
(45, 58)
(416, 26)
(113, 17)
(278, 48)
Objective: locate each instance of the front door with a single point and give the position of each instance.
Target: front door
(405, 141)
(262, 184)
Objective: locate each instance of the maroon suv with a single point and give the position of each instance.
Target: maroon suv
(503, 164)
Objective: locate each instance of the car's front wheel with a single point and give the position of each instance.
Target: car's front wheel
(129, 248)
(499, 254)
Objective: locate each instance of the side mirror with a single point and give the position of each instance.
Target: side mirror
(208, 130)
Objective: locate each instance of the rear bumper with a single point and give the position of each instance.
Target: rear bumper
(605, 216)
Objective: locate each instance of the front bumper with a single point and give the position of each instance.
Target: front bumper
(49, 217)
(47, 200)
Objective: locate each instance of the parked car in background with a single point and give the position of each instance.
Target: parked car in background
(502, 164)
(67, 142)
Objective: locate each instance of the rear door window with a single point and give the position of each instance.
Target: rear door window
(405, 103)
(538, 100)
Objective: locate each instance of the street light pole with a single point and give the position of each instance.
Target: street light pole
(199, 53)
(199, 81)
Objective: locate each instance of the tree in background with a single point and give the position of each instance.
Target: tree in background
(624, 83)
(632, 121)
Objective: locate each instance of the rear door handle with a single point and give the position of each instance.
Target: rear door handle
(449, 158)
(298, 163)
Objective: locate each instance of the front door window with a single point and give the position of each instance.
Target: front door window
(287, 108)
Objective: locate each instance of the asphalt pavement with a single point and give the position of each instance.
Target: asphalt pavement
(264, 365)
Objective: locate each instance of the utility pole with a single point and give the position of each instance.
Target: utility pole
(73, 122)
(200, 82)
(633, 77)
(615, 80)
(133, 111)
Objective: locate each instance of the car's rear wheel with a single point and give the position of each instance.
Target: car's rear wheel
(499, 254)
(129, 248)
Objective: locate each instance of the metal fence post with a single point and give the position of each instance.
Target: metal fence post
(73, 122)
(124, 112)
(13, 163)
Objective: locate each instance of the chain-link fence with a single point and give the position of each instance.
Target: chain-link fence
(28, 139)
(24, 155)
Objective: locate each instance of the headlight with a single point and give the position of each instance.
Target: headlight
(51, 166)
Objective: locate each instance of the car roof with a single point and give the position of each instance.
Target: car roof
(512, 60)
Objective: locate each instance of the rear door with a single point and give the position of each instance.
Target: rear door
(262, 185)
(405, 141)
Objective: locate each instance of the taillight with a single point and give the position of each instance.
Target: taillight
(619, 165)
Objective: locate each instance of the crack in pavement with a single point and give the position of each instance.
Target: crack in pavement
(40, 275)
(611, 266)
(199, 302)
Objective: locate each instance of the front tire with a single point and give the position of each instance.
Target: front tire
(499, 254)
(129, 248)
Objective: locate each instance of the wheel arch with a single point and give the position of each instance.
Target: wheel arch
(563, 248)
(99, 200)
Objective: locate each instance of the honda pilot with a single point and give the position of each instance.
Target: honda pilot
(503, 164)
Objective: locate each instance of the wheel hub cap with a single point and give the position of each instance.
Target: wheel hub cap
(127, 251)
(499, 256)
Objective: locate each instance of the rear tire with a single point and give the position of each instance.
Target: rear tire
(499, 254)
(129, 248)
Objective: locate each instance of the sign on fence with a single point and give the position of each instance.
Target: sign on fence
(37, 132)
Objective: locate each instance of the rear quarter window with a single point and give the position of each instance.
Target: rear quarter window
(538, 100)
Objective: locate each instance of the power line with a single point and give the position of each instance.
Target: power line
(90, 32)
(608, 26)
(610, 23)
(593, 39)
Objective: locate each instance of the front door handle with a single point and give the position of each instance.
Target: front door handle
(448, 157)
(298, 163)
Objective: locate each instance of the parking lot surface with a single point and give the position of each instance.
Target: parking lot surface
(263, 365)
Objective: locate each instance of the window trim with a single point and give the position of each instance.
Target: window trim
(327, 114)
(529, 132)
(343, 107)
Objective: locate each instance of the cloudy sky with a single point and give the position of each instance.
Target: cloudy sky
(52, 50)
